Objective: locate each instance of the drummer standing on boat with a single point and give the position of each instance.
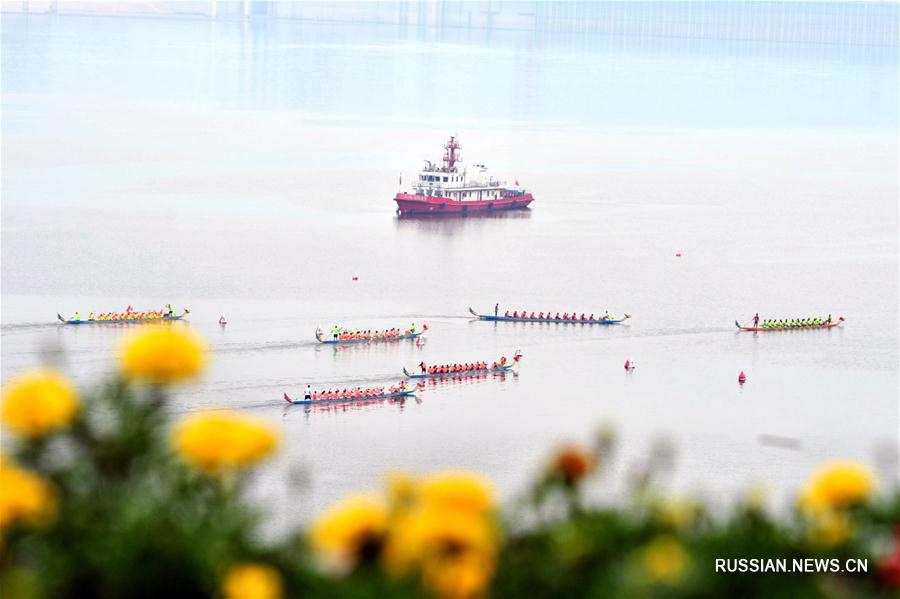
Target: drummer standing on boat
(496, 308)
(335, 332)
(307, 395)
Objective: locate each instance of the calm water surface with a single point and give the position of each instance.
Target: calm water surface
(248, 170)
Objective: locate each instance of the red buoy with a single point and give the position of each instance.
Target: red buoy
(355, 278)
(742, 378)
(678, 254)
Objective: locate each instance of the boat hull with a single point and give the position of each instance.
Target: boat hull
(409, 204)
(830, 325)
(316, 402)
(556, 320)
(448, 375)
(380, 340)
(125, 320)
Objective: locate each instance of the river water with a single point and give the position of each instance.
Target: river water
(248, 170)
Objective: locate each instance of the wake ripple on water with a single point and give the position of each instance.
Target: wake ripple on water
(27, 327)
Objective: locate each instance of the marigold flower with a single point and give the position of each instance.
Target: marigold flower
(830, 528)
(462, 576)
(350, 532)
(678, 514)
(665, 559)
(457, 489)
(25, 497)
(216, 441)
(429, 536)
(252, 581)
(572, 464)
(38, 402)
(163, 356)
(836, 485)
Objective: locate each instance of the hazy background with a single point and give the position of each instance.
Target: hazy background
(240, 158)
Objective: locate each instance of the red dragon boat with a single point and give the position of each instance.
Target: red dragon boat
(447, 189)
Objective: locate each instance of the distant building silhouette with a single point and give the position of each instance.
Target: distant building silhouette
(856, 23)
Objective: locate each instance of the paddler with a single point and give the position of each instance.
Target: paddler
(91, 316)
(77, 317)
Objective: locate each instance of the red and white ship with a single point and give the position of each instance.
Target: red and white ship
(447, 189)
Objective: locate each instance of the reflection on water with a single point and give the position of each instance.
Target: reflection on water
(345, 407)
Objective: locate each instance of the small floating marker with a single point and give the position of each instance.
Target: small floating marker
(742, 378)
(355, 278)
(678, 254)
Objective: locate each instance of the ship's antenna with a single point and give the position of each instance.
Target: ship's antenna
(450, 156)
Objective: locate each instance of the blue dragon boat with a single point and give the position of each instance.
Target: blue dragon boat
(557, 320)
(320, 337)
(315, 402)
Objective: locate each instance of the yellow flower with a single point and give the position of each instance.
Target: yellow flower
(349, 532)
(453, 489)
(216, 441)
(836, 485)
(462, 576)
(38, 402)
(677, 514)
(163, 356)
(830, 528)
(252, 581)
(25, 497)
(665, 559)
(428, 536)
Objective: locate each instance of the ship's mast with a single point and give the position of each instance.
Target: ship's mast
(450, 156)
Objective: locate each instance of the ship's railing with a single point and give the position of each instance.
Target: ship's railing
(441, 185)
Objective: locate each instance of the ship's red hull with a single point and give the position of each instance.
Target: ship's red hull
(409, 203)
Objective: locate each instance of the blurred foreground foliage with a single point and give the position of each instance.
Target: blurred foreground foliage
(103, 496)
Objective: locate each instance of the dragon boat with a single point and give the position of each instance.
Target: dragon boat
(460, 374)
(316, 402)
(320, 337)
(163, 318)
(825, 325)
(558, 320)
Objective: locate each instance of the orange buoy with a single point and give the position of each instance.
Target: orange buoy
(742, 378)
